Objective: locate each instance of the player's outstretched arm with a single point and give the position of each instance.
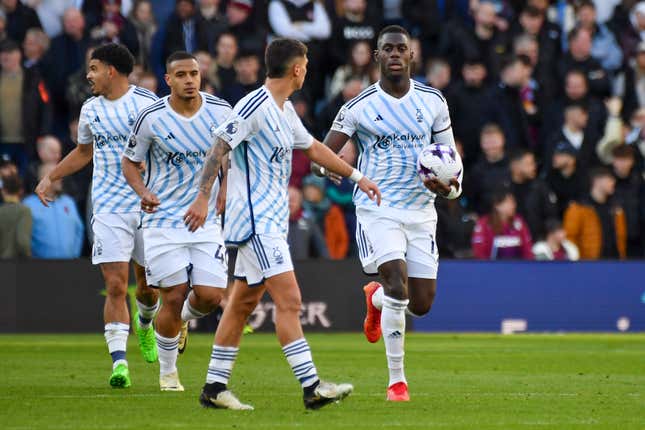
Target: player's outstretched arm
(78, 158)
(347, 153)
(132, 172)
(324, 156)
(196, 215)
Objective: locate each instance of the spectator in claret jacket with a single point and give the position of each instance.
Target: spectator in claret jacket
(596, 224)
(502, 234)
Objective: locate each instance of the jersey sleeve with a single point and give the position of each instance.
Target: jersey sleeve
(84, 130)
(235, 129)
(345, 122)
(442, 119)
(139, 141)
(302, 139)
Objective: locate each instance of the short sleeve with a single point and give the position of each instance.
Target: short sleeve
(442, 119)
(84, 130)
(345, 122)
(235, 129)
(302, 139)
(139, 141)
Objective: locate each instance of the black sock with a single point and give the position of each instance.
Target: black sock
(309, 391)
(215, 388)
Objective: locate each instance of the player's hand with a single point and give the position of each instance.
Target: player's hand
(42, 191)
(149, 202)
(371, 189)
(441, 188)
(196, 215)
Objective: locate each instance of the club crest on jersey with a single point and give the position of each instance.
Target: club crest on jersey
(277, 256)
(419, 115)
(131, 119)
(231, 127)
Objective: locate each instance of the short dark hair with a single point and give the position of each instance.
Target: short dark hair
(178, 56)
(574, 33)
(585, 3)
(12, 184)
(551, 225)
(9, 45)
(279, 55)
(519, 153)
(532, 11)
(576, 104)
(397, 29)
(115, 55)
(624, 151)
(598, 172)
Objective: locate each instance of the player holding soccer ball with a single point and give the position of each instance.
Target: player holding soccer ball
(391, 122)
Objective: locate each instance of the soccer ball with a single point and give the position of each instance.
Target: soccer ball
(439, 161)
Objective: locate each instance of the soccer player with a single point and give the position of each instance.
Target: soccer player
(103, 128)
(262, 134)
(174, 134)
(390, 122)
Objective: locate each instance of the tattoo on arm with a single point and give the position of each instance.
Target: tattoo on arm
(212, 166)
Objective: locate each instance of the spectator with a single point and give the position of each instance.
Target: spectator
(247, 67)
(579, 57)
(543, 76)
(20, 18)
(15, 220)
(250, 34)
(614, 132)
(3, 26)
(596, 225)
(113, 27)
(358, 67)
(205, 62)
(223, 74)
(66, 56)
(356, 24)
(308, 22)
(145, 25)
(505, 105)
(34, 47)
(576, 133)
(532, 22)
(350, 89)
(536, 202)
(438, 74)
(502, 234)
(630, 195)
(305, 237)
(489, 172)
(563, 177)
(604, 47)
(58, 229)
(186, 30)
(216, 22)
(556, 246)
(148, 80)
(50, 13)
(426, 20)
(468, 105)
(50, 151)
(632, 82)
(459, 42)
(28, 114)
(631, 31)
(78, 88)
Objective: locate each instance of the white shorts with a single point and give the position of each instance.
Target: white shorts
(262, 257)
(385, 234)
(117, 237)
(175, 256)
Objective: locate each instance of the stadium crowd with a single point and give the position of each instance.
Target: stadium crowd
(547, 100)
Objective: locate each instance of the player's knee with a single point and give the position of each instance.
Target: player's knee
(396, 286)
(116, 289)
(211, 297)
(245, 306)
(420, 309)
(289, 305)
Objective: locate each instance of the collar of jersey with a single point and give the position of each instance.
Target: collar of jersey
(183, 118)
(390, 97)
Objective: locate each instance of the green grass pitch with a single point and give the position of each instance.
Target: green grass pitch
(469, 382)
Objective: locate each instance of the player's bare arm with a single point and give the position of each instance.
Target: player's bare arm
(198, 211)
(322, 155)
(78, 158)
(347, 152)
(132, 172)
(220, 203)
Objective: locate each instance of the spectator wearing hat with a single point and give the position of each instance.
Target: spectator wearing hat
(28, 114)
(15, 220)
(305, 238)
(556, 246)
(247, 26)
(604, 46)
(596, 224)
(186, 30)
(563, 177)
(20, 18)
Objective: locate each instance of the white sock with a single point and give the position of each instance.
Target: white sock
(146, 313)
(167, 347)
(393, 328)
(116, 337)
(299, 357)
(190, 313)
(221, 364)
(377, 298)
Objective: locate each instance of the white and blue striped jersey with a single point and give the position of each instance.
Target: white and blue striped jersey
(106, 124)
(262, 137)
(175, 147)
(390, 134)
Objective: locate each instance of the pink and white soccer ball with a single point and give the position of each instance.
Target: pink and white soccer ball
(439, 161)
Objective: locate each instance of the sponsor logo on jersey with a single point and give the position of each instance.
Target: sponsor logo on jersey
(177, 158)
(279, 154)
(403, 141)
(101, 140)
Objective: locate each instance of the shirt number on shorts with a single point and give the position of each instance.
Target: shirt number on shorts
(221, 254)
